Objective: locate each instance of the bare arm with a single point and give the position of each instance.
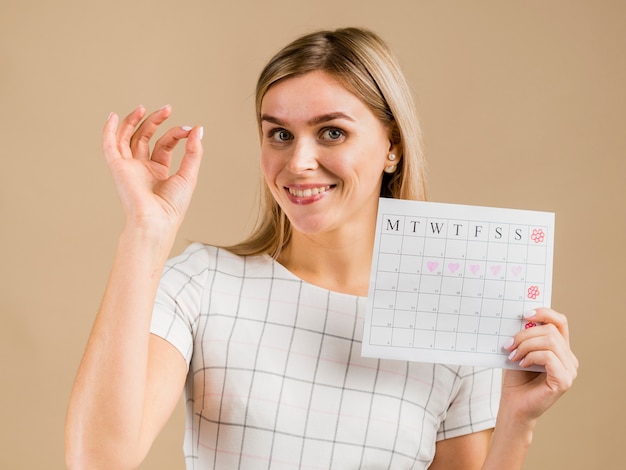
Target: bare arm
(525, 397)
(466, 452)
(129, 381)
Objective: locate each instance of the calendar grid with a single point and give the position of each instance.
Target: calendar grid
(453, 283)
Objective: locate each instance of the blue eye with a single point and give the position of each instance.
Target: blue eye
(280, 135)
(332, 134)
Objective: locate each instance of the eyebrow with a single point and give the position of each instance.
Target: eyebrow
(312, 122)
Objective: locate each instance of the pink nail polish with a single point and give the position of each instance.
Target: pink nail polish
(529, 314)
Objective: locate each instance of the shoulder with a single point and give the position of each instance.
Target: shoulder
(199, 260)
(466, 381)
(195, 255)
(460, 372)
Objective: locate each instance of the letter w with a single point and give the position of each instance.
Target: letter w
(436, 227)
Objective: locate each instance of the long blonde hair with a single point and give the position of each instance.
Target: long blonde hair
(362, 62)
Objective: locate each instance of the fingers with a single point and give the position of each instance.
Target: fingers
(549, 316)
(542, 317)
(190, 163)
(109, 140)
(132, 138)
(164, 147)
(140, 139)
(127, 129)
(560, 374)
(546, 344)
(544, 338)
(115, 142)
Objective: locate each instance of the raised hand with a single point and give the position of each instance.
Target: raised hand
(526, 395)
(153, 195)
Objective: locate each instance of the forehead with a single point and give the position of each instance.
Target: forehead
(313, 93)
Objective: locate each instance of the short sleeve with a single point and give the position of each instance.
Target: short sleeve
(179, 298)
(475, 405)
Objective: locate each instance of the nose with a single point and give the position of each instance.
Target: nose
(303, 156)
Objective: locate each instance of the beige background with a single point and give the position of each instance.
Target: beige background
(523, 105)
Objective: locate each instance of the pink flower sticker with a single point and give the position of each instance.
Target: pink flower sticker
(533, 292)
(538, 235)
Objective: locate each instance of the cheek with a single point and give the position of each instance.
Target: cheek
(267, 164)
(270, 168)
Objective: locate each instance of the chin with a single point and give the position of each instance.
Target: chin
(309, 226)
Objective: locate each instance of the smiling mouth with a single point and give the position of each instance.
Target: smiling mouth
(308, 192)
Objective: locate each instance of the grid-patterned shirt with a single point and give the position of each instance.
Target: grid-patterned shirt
(276, 379)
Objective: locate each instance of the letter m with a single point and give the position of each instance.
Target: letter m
(393, 225)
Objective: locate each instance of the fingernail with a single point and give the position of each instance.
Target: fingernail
(512, 355)
(509, 342)
(109, 116)
(163, 107)
(186, 128)
(529, 314)
(201, 132)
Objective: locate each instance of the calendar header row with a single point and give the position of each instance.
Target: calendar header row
(430, 227)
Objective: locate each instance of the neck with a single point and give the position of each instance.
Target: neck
(331, 261)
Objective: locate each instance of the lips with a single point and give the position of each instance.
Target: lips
(308, 194)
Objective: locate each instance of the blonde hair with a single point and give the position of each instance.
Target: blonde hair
(365, 66)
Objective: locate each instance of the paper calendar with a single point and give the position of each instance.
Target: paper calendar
(449, 282)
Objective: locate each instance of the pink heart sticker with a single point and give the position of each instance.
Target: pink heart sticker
(432, 265)
(453, 267)
(516, 270)
(474, 268)
(495, 269)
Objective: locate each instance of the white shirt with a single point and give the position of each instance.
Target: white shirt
(276, 379)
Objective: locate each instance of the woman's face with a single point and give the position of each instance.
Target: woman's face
(322, 154)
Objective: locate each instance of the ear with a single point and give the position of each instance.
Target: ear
(395, 143)
(394, 155)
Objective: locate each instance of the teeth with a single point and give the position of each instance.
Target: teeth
(308, 192)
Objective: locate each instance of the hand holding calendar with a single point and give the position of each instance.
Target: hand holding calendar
(450, 283)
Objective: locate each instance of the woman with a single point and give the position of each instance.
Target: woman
(264, 335)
